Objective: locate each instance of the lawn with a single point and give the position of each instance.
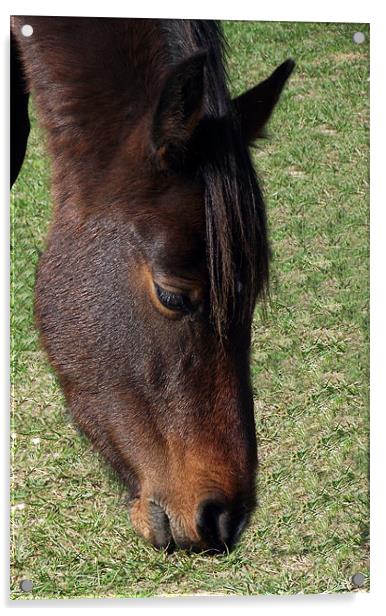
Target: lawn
(70, 530)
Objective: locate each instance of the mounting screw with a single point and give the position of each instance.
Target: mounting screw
(27, 30)
(357, 580)
(26, 585)
(358, 38)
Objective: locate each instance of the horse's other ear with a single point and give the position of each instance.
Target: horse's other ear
(255, 106)
(179, 109)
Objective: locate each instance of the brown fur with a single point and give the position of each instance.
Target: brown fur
(164, 395)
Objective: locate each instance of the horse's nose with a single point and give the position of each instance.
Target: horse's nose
(159, 521)
(219, 524)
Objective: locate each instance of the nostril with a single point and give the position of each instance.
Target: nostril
(220, 525)
(208, 522)
(159, 522)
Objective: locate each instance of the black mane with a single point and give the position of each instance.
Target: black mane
(237, 245)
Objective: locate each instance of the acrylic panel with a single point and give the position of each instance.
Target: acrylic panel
(169, 435)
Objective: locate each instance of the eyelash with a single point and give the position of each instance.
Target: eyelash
(174, 301)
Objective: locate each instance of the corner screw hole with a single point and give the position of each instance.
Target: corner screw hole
(359, 38)
(358, 580)
(26, 585)
(27, 30)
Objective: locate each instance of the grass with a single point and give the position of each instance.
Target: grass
(70, 530)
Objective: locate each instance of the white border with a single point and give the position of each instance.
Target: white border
(284, 10)
(277, 10)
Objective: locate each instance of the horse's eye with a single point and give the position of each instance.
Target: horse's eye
(173, 301)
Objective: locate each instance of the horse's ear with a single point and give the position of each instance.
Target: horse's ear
(255, 106)
(179, 109)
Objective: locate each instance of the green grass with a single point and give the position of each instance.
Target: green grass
(70, 530)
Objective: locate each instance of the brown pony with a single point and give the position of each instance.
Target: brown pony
(155, 258)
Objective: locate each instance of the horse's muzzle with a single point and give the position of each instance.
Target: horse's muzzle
(218, 527)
